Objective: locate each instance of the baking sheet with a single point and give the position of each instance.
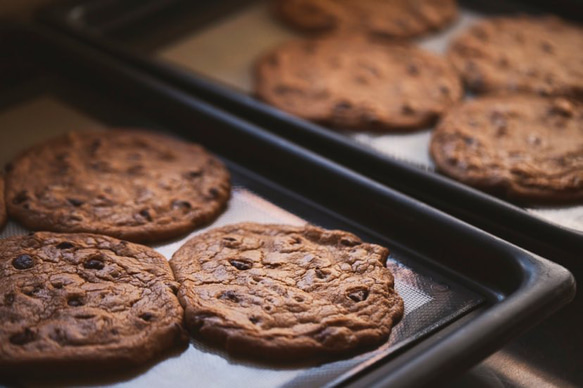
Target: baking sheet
(227, 49)
(430, 302)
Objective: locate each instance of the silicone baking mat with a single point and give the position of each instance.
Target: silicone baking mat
(430, 301)
(226, 50)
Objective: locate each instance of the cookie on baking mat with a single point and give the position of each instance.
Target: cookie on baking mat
(521, 54)
(387, 18)
(281, 292)
(353, 83)
(83, 302)
(524, 147)
(135, 185)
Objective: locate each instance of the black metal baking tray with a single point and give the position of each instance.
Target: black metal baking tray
(135, 30)
(489, 290)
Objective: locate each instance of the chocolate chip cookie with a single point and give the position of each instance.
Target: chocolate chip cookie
(522, 146)
(526, 54)
(2, 205)
(353, 83)
(83, 302)
(284, 292)
(390, 18)
(134, 185)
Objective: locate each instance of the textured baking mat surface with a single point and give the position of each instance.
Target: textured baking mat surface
(429, 301)
(232, 44)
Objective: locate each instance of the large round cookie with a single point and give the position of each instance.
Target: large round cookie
(83, 302)
(134, 185)
(353, 83)
(521, 146)
(390, 18)
(286, 292)
(528, 54)
(2, 205)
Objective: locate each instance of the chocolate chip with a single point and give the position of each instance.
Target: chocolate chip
(134, 170)
(65, 245)
(22, 338)
(320, 274)
(562, 107)
(75, 202)
(254, 320)
(94, 146)
(349, 242)
(94, 263)
(309, 47)
(498, 120)
(74, 218)
(146, 214)
(480, 33)
(444, 90)
(23, 262)
(341, 107)
(85, 316)
(193, 174)
(147, 316)
(412, 69)
(241, 265)
(369, 118)
(9, 299)
(100, 166)
(21, 197)
(62, 157)
(177, 204)
(75, 301)
(534, 140)
(229, 295)
(407, 109)
(8, 167)
(294, 240)
(358, 295)
(547, 47)
(272, 60)
(285, 89)
(214, 192)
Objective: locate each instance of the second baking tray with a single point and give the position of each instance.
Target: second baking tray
(466, 292)
(208, 48)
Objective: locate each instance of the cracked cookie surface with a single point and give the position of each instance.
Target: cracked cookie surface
(388, 18)
(134, 185)
(285, 292)
(520, 146)
(521, 54)
(353, 83)
(83, 302)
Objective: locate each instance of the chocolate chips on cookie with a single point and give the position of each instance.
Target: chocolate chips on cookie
(387, 18)
(353, 83)
(84, 303)
(521, 146)
(134, 185)
(281, 292)
(521, 54)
